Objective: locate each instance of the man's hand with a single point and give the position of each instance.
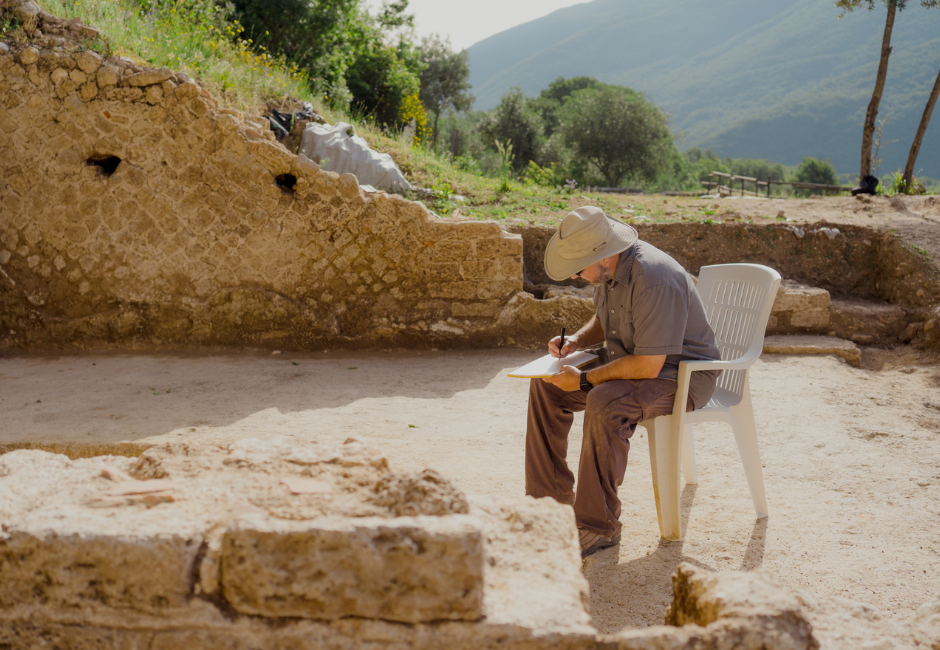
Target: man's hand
(571, 345)
(569, 379)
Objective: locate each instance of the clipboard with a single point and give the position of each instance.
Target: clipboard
(548, 365)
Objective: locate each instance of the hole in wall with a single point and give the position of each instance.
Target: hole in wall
(106, 164)
(286, 182)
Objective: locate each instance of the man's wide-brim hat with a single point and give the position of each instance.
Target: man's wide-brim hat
(587, 235)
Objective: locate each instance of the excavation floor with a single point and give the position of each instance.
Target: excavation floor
(851, 456)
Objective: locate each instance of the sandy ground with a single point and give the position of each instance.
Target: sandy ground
(851, 456)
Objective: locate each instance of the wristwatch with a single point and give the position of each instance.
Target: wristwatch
(586, 386)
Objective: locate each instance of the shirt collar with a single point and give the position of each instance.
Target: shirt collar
(624, 267)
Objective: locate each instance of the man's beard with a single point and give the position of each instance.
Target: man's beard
(603, 277)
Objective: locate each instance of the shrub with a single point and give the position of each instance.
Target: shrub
(811, 170)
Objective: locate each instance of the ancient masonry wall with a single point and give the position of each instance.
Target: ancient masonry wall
(135, 211)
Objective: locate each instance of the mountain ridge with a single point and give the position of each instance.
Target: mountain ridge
(778, 81)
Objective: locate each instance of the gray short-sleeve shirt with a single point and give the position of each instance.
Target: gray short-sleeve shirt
(651, 307)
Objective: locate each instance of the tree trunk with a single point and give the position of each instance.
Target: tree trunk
(437, 114)
(919, 137)
(869, 128)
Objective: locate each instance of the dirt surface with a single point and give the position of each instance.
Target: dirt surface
(915, 218)
(852, 474)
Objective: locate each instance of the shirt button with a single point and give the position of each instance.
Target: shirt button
(613, 331)
(611, 311)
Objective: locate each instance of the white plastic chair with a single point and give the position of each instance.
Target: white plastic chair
(737, 298)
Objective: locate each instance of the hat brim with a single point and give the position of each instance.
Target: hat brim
(624, 237)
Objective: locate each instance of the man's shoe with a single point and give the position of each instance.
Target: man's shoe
(592, 542)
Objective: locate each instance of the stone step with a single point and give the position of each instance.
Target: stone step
(809, 344)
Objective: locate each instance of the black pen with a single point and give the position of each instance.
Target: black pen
(562, 344)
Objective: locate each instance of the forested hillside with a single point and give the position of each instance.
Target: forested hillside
(779, 80)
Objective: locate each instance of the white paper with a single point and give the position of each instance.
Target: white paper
(548, 365)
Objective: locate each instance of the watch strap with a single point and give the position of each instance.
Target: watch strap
(586, 386)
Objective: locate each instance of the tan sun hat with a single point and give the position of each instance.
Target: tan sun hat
(587, 235)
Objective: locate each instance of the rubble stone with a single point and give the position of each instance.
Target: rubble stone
(29, 55)
(149, 77)
(874, 322)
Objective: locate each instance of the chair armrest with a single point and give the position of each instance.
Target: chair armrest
(714, 364)
(686, 368)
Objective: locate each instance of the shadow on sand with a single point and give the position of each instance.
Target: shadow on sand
(648, 580)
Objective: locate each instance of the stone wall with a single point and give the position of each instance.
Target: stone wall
(136, 212)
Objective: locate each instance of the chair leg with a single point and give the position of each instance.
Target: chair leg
(689, 468)
(665, 463)
(745, 434)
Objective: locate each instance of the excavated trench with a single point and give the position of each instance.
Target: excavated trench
(869, 268)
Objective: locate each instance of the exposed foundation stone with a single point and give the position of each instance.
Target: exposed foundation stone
(799, 308)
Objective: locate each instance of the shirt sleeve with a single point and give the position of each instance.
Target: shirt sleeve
(659, 318)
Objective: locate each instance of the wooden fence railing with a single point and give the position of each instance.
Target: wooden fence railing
(758, 184)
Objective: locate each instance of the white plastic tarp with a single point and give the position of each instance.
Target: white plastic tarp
(335, 150)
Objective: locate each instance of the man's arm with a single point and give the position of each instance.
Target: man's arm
(629, 367)
(590, 334)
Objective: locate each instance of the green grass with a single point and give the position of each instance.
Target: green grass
(192, 37)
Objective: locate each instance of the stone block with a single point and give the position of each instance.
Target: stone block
(88, 91)
(88, 61)
(799, 308)
(475, 309)
(149, 77)
(452, 249)
(407, 569)
(807, 344)
(154, 95)
(479, 270)
(29, 55)
(275, 158)
(499, 247)
(867, 321)
(107, 76)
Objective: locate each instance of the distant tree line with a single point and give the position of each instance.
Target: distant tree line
(577, 130)
(596, 134)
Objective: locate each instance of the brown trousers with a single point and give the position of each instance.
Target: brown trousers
(612, 411)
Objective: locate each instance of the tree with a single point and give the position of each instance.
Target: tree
(811, 170)
(379, 79)
(444, 80)
(548, 103)
(513, 121)
(317, 35)
(908, 177)
(919, 136)
(868, 128)
(618, 132)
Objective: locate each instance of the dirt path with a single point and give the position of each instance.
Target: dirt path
(852, 456)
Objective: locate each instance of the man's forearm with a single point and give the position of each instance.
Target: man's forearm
(629, 367)
(591, 334)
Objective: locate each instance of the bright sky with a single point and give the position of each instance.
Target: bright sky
(469, 21)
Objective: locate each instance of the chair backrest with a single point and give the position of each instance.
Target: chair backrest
(738, 299)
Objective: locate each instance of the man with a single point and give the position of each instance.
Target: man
(649, 317)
